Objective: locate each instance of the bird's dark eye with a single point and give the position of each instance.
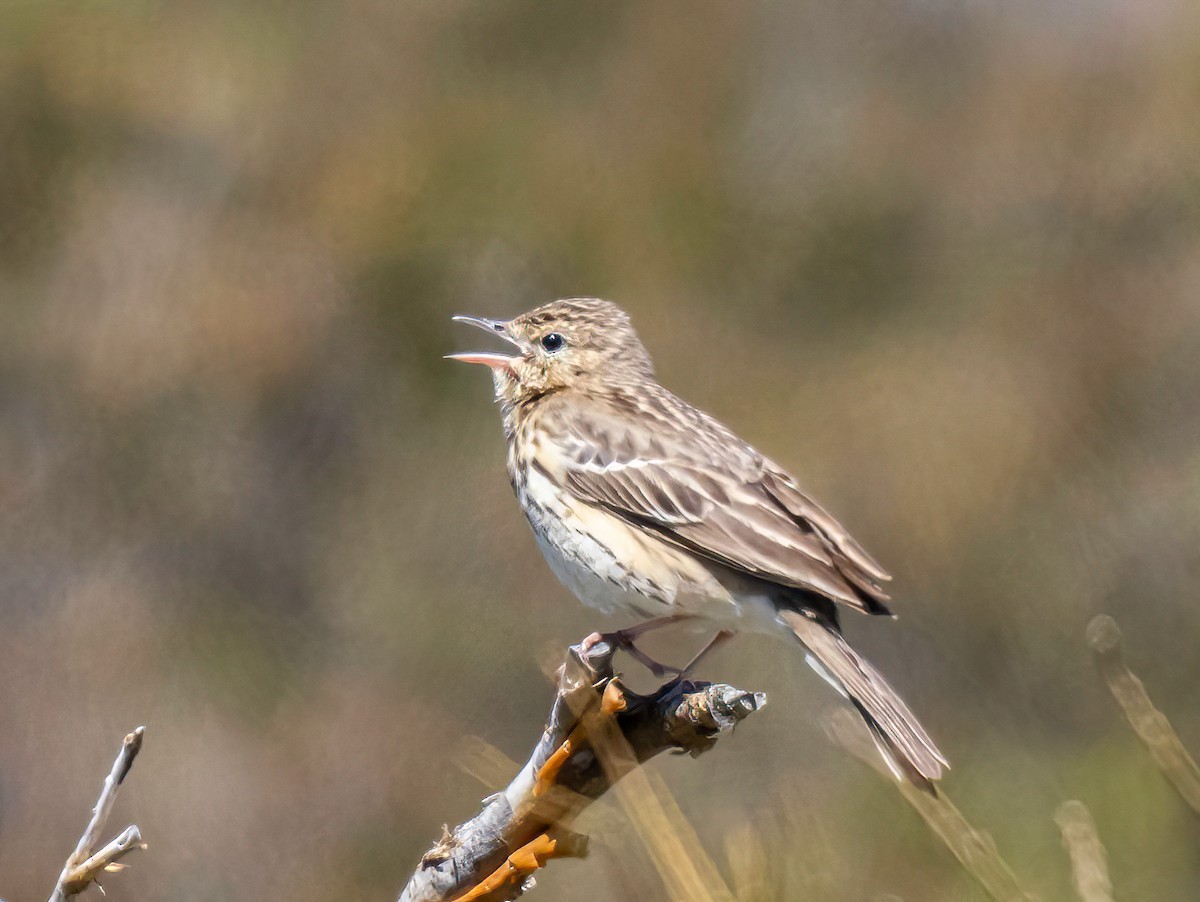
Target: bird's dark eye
(553, 342)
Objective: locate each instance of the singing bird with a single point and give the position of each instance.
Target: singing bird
(645, 506)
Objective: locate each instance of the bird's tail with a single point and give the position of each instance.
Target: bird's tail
(903, 742)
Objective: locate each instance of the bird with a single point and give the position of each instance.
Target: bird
(645, 506)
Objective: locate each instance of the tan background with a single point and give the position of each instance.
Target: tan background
(938, 258)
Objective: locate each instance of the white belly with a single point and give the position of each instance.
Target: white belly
(617, 568)
(591, 576)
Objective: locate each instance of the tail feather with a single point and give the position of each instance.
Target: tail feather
(901, 739)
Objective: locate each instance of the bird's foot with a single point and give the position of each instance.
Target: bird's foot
(623, 640)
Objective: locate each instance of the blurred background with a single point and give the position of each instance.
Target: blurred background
(939, 259)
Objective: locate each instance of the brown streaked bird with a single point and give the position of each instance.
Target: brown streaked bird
(645, 506)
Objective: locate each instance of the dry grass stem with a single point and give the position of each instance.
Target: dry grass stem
(1150, 724)
(748, 863)
(975, 850)
(1089, 862)
(685, 868)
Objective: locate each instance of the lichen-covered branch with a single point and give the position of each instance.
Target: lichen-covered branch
(597, 733)
(84, 865)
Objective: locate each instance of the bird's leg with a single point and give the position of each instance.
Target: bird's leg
(620, 640)
(657, 668)
(715, 642)
(630, 633)
(624, 639)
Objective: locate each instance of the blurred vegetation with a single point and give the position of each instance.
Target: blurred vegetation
(940, 259)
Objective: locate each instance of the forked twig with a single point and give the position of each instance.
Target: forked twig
(84, 866)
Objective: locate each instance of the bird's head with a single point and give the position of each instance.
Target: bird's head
(573, 343)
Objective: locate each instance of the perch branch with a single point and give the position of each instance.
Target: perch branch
(84, 867)
(597, 733)
(1150, 724)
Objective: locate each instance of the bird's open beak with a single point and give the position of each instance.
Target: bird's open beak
(486, 358)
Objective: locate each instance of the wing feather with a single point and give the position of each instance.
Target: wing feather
(707, 491)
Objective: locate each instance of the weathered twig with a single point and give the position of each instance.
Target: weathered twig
(975, 850)
(1150, 724)
(1089, 863)
(84, 866)
(597, 733)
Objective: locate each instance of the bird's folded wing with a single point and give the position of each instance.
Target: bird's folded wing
(720, 500)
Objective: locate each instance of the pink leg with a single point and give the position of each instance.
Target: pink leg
(715, 642)
(630, 633)
(624, 639)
